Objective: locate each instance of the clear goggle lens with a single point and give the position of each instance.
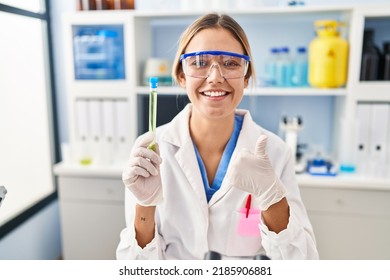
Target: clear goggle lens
(200, 64)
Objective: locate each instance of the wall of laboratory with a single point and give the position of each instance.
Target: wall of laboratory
(58, 8)
(39, 238)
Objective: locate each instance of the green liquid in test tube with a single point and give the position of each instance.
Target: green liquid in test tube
(153, 109)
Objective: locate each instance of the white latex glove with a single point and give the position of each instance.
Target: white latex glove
(254, 174)
(141, 174)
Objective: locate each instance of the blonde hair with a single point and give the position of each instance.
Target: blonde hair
(212, 20)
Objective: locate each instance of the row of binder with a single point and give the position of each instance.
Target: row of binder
(373, 139)
(102, 130)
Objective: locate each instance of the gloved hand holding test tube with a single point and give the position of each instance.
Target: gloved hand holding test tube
(141, 174)
(153, 110)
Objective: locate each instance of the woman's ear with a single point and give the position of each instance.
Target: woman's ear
(182, 79)
(246, 82)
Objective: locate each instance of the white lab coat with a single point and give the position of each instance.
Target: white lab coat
(187, 226)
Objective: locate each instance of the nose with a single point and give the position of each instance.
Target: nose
(215, 75)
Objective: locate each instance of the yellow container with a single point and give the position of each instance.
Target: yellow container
(328, 56)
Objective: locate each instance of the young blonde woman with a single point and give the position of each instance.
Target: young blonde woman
(218, 181)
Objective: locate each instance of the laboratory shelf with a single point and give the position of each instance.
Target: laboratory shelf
(345, 181)
(373, 91)
(162, 89)
(307, 91)
(253, 11)
(101, 95)
(113, 89)
(72, 169)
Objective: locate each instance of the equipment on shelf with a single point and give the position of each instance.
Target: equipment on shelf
(291, 126)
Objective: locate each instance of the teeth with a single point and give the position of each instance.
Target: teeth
(214, 93)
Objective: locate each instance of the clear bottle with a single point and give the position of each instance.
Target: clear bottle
(386, 61)
(283, 72)
(300, 68)
(370, 58)
(270, 67)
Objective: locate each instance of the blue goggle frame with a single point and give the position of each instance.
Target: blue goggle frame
(185, 55)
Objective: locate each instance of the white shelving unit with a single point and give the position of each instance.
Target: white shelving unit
(144, 31)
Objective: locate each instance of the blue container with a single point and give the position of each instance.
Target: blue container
(270, 67)
(284, 70)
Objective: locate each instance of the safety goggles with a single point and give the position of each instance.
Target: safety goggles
(200, 64)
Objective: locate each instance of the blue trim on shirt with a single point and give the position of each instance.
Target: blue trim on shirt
(225, 159)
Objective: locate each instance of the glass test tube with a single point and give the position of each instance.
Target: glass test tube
(153, 109)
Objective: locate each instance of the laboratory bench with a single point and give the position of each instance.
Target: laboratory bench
(350, 214)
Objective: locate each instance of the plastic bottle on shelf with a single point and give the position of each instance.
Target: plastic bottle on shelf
(86, 5)
(328, 56)
(270, 67)
(283, 70)
(300, 67)
(370, 58)
(102, 5)
(386, 61)
(121, 4)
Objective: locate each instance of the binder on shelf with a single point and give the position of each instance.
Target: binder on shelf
(123, 130)
(109, 130)
(346, 153)
(387, 171)
(379, 132)
(83, 139)
(95, 119)
(95, 128)
(82, 119)
(362, 146)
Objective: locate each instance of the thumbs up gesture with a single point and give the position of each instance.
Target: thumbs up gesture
(254, 174)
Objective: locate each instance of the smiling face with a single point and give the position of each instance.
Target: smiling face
(214, 97)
